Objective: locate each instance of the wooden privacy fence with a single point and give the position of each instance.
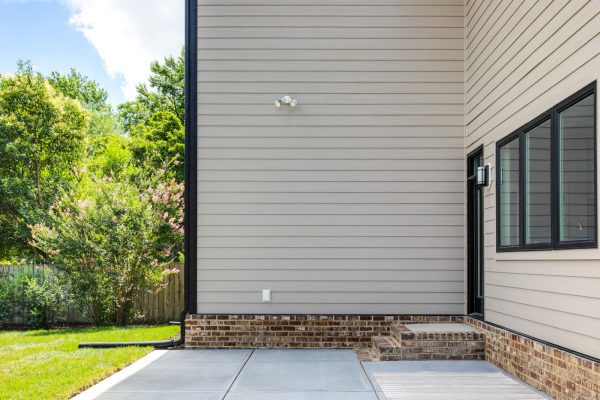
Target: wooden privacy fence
(160, 307)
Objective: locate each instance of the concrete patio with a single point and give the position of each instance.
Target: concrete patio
(302, 375)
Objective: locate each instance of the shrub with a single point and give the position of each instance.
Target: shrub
(39, 299)
(114, 240)
(7, 294)
(46, 299)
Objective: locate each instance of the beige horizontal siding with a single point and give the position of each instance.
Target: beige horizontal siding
(338, 22)
(334, 307)
(337, 109)
(335, 55)
(301, 264)
(327, 176)
(295, 209)
(316, 153)
(337, 198)
(329, 32)
(353, 201)
(331, 2)
(326, 10)
(347, 88)
(407, 166)
(339, 98)
(326, 43)
(523, 57)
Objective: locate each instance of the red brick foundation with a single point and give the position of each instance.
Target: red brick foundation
(556, 372)
(293, 331)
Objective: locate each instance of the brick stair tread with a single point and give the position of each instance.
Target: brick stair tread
(402, 332)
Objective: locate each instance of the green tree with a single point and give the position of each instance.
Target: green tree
(132, 113)
(92, 97)
(166, 92)
(155, 120)
(160, 139)
(42, 139)
(79, 87)
(112, 155)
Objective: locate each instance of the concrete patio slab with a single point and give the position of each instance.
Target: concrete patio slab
(303, 375)
(201, 374)
(271, 355)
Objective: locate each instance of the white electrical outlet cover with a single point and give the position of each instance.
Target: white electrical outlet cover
(266, 295)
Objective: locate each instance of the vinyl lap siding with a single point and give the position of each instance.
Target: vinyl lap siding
(353, 201)
(523, 57)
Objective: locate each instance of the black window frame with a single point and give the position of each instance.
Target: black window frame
(553, 115)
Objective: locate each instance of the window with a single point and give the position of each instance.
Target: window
(508, 165)
(537, 196)
(576, 172)
(546, 179)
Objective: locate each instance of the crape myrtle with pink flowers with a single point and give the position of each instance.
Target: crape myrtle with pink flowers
(114, 239)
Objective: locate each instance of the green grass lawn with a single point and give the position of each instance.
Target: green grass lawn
(48, 364)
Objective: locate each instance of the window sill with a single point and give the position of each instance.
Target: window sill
(548, 254)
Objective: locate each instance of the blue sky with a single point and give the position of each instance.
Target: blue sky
(110, 41)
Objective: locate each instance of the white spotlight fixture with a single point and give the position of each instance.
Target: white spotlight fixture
(286, 100)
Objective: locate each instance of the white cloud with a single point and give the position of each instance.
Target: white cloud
(129, 34)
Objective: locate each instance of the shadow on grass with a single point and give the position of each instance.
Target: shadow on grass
(89, 329)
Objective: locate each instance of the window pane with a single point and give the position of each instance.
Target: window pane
(577, 214)
(538, 200)
(509, 193)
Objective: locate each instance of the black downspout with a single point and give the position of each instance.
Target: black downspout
(191, 172)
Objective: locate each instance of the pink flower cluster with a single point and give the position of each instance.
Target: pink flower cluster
(171, 271)
(169, 198)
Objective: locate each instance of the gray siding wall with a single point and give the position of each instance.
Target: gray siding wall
(523, 57)
(353, 201)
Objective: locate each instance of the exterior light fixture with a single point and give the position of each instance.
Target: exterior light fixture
(286, 100)
(483, 175)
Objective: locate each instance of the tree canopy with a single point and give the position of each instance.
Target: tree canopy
(79, 87)
(53, 127)
(42, 139)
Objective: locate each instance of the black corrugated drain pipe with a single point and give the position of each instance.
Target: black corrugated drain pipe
(157, 344)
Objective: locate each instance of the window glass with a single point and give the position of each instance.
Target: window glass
(538, 178)
(509, 193)
(577, 214)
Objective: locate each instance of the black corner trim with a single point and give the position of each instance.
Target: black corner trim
(191, 171)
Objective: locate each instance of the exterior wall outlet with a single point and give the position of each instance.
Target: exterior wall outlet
(266, 295)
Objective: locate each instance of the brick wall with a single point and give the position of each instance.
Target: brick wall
(560, 374)
(293, 331)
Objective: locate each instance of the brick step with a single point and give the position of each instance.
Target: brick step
(366, 354)
(448, 341)
(385, 348)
